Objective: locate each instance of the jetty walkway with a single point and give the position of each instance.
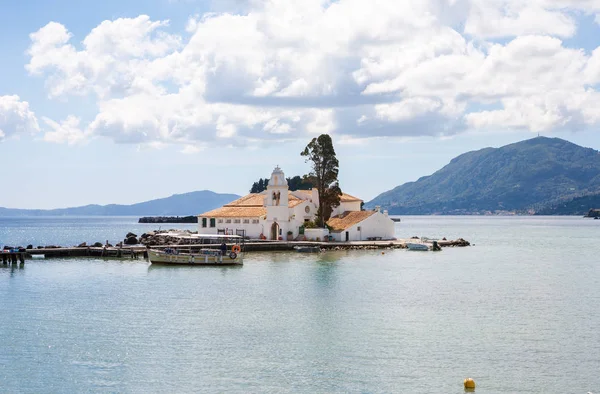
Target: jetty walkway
(141, 251)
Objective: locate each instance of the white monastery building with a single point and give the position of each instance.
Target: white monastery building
(279, 214)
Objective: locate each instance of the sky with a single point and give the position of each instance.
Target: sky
(126, 101)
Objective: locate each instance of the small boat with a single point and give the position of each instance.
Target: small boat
(219, 254)
(203, 257)
(415, 246)
(307, 249)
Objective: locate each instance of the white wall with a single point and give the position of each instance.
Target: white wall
(312, 234)
(376, 225)
(253, 230)
(346, 207)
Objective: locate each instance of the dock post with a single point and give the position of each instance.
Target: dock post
(4, 258)
(14, 258)
(22, 258)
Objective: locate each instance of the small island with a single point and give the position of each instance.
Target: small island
(169, 219)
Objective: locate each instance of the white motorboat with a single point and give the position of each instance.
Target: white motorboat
(308, 249)
(417, 246)
(215, 250)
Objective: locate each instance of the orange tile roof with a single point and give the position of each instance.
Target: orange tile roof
(249, 206)
(344, 198)
(348, 219)
(250, 200)
(348, 198)
(294, 201)
(235, 212)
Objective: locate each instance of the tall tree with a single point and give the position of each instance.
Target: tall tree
(325, 169)
(260, 186)
(300, 183)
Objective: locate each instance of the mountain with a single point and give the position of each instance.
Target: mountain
(527, 176)
(576, 206)
(193, 203)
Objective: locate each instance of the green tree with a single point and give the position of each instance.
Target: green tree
(325, 169)
(260, 186)
(300, 183)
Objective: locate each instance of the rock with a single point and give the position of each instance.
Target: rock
(130, 234)
(82, 245)
(6, 247)
(29, 247)
(131, 240)
(444, 239)
(97, 245)
(108, 245)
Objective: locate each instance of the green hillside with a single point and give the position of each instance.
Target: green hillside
(529, 175)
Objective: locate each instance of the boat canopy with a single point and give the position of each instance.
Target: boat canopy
(202, 236)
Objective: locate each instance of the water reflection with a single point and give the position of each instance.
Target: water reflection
(15, 268)
(184, 267)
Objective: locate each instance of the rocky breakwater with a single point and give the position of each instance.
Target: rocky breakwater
(163, 237)
(169, 219)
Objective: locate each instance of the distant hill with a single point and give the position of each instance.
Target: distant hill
(576, 206)
(527, 176)
(193, 203)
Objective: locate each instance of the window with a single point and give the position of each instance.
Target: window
(228, 221)
(212, 222)
(246, 221)
(220, 221)
(237, 221)
(203, 222)
(255, 221)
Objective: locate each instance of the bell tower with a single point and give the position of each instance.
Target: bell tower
(276, 202)
(277, 189)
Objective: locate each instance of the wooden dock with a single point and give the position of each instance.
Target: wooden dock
(14, 256)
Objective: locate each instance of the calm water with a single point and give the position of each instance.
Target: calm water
(519, 312)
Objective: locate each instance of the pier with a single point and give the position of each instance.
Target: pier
(141, 251)
(13, 256)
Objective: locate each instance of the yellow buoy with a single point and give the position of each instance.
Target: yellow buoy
(469, 384)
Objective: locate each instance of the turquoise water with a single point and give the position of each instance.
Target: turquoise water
(519, 312)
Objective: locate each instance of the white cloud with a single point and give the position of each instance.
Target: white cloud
(284, 69)
(16, 117)
(191, 149)
(511, 18)
(67, 131)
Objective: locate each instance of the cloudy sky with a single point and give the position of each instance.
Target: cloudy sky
(122, 101)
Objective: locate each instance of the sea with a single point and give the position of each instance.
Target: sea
(518, 311)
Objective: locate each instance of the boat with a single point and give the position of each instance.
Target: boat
(416, 246)
(214, 250)
(307, 249)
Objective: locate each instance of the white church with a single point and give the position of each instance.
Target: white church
(280, 214)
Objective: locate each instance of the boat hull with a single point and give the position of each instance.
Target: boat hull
(308, 249)
(210, 257)
(417, 247)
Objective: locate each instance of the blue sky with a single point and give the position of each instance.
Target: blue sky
(126, 101)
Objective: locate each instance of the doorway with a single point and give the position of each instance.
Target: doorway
(347, 236)
(275, 231)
